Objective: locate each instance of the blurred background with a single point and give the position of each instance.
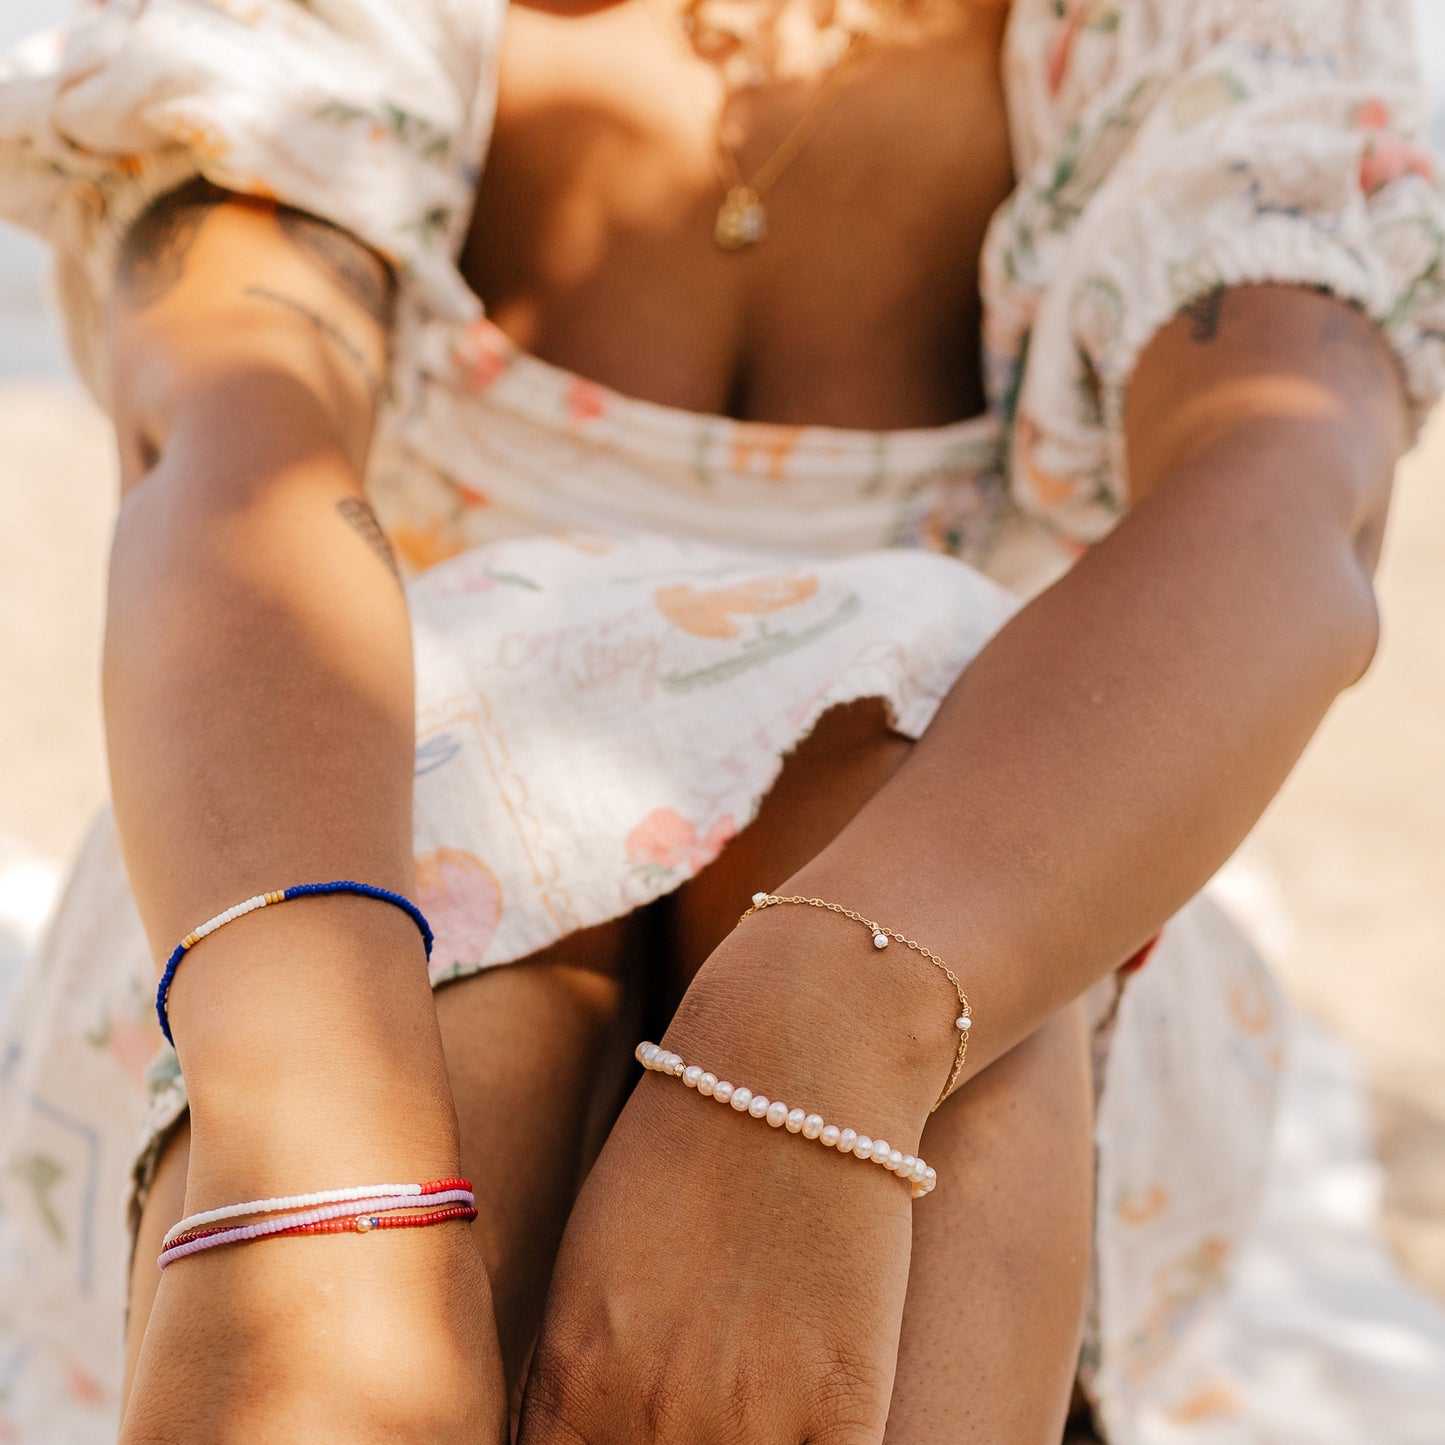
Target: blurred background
(1344, 880)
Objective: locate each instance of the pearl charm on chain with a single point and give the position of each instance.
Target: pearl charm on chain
(921, 1179)
(881, 938)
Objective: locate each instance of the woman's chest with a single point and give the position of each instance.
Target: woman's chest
(594, 242)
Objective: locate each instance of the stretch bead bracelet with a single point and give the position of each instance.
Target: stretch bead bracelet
(919, 1175)
(193, 1222)
(365, 1223)
(358, 1224)
(342, 1216)
(265, 900)
(345, 1216)
(881, 938)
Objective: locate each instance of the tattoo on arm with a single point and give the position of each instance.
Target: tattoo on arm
(153, 254)
(356, 269)
(358, 514)
(327, 328)
(1204, 315)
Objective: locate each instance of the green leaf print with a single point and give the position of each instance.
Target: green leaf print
(762, 647)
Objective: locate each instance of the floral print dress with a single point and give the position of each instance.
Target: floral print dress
(627, 615)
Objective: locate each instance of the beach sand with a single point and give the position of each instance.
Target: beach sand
(1355, 845)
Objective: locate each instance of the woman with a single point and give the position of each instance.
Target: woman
(1176, 267)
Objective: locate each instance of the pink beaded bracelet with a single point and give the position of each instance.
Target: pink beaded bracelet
(919, 1175)
(307, 1201)
(200, 1232)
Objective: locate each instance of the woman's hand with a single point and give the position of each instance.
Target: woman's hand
(721, 1280)
(386, 1337)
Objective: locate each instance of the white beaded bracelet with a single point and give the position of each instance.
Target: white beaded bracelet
(302, 1201)
(920, 1176)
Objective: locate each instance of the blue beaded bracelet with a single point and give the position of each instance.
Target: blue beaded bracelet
(264, 900)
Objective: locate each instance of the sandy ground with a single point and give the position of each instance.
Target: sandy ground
(1355, 845)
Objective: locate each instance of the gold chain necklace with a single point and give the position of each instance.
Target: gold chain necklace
(742, 219)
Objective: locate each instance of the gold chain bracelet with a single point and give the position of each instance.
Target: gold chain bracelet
(881, 938)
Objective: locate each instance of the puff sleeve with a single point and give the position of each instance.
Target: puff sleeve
(1167, 148)
(370, 113)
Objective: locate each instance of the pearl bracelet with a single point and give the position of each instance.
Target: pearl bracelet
(919, 1175)
(881, 938)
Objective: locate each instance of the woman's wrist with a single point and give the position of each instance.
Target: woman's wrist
(796, 1002)
(308, 1039)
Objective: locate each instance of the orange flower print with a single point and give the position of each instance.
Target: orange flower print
(423, 547)
(1049, 488)
(1250, 1007)
(1372, 115)
(1213, 1402)
(1080, 15)
(82, 1386)
(462, 901)
(1387, 158)
(1140, 1208)
(197, 134)
(665, 839)
(590, 544)
(586, 401)
(132, 1043)
(709, 614)
(482, 354)
(770, 445)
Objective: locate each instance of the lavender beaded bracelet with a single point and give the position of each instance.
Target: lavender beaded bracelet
(264, 900)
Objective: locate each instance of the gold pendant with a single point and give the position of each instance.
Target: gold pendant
(741, 220)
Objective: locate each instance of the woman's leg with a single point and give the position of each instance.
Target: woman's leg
(522, 1045)
(1001, 1249)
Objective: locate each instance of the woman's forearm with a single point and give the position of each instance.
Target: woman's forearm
(1114, 743)
(260, 726)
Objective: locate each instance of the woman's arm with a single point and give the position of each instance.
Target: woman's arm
(1113, 744)
(260, 723)
(1089, 771)
(258, 693)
